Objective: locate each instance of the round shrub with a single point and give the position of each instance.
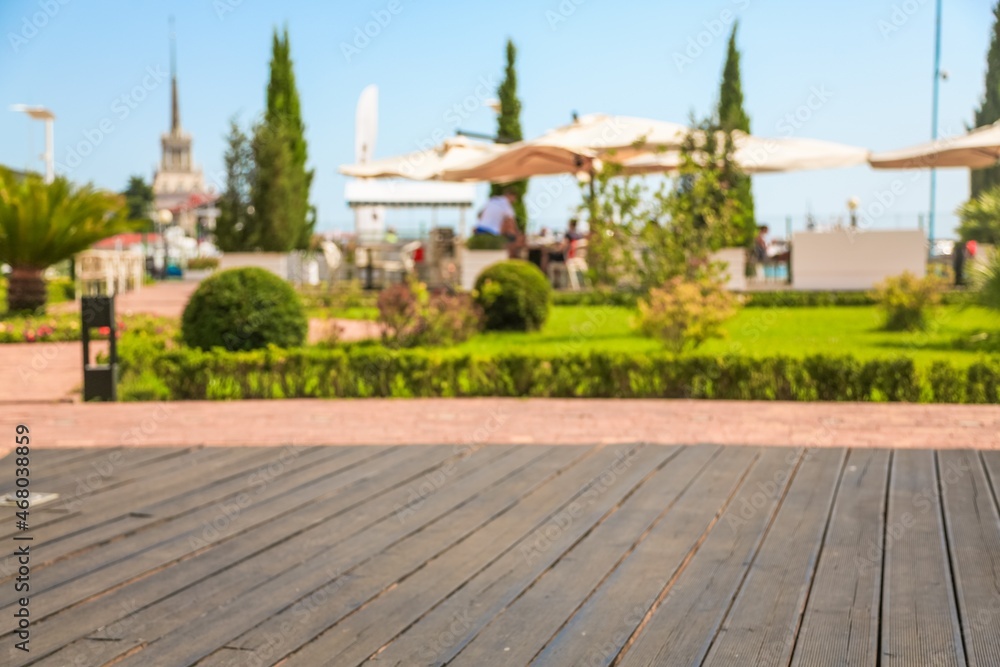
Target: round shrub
(514, 295)
(244, 309)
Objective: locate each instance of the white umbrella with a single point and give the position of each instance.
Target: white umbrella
(762, 155)
(428, 164)
(575, 148)
(975, 150)
(610, 136)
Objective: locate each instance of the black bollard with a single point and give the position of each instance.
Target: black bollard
(100, 381)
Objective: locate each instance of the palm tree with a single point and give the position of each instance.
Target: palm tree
(42, 224)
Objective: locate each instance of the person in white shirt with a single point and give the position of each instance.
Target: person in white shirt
(497, 219)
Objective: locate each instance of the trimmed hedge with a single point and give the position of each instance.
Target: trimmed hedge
(370, 371)
(783, 299)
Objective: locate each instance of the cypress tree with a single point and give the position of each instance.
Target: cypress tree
(989, 109)
(732, 116)
(509, 130)
(234, 229)
(282, 182)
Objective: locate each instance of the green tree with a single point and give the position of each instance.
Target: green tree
(139, 202)
(732, 116)
(509, 130)
(641, 238)
(281, 184)
(980, 217)
(989, 109)
(235, 229)
(42, 224)
(274, 193)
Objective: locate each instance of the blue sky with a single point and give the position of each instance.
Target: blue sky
(856, 71)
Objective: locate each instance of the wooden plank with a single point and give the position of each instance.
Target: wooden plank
(359, 635)
(318, 577)
(107, 463)
(224, 590)
(77, 579)
(212, 570)
(841, 622)
(102, 518)
(973, 527)
(144, 524)
(763, 621)
(521, 629)
(598, 631)
(112, 470)
(680, 630)
(919, 619)
(461, 519)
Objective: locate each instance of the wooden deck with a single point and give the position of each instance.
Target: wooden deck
(510, 555)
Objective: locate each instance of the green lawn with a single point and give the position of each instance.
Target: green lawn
(766, 332)
(346, 313)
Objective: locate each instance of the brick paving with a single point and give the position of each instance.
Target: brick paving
(507, 421)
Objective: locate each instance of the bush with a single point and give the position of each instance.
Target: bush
(514, 295)
(203, 263)
(412, 316)
(986, 281)
(374, 371)
(60, 289)
(145, 386)
(486, 242)
(684, 313)
(906, 299)
(244, 309)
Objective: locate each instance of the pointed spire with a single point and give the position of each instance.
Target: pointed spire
(175, 109)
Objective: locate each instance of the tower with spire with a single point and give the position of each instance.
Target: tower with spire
(178, 185)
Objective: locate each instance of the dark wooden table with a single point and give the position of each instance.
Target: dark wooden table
(511, 555)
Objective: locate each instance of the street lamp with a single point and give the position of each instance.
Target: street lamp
(852, 206)
(41, 113)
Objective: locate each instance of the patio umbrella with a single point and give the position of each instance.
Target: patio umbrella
(762, 155)
(975, 150)
(575, 148)
(428, 164)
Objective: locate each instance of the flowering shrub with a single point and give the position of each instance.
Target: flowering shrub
(685, 312)
(41, 328)
(411, 316)
(906, 299)
(65, 327)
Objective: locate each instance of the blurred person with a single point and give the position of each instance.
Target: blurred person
(497, 219)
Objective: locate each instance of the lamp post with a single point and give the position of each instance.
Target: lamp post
(852, 206)
(43, 114)
(938, 75)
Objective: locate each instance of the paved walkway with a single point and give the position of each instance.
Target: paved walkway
(477, 421)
